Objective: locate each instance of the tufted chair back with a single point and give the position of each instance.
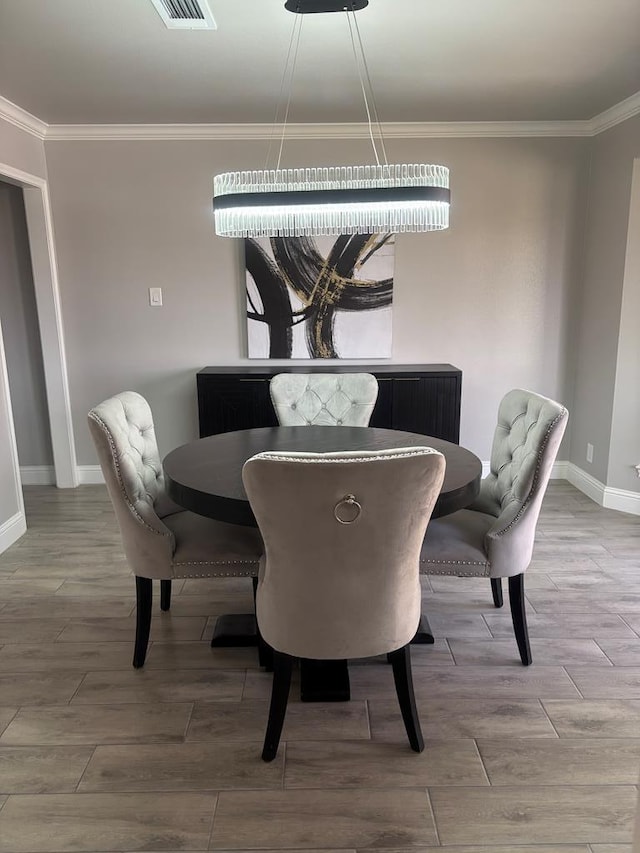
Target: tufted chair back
(324, 399)
(342, 535)
(525, 443)
(123, 433)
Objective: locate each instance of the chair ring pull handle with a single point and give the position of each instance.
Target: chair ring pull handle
(352, 511)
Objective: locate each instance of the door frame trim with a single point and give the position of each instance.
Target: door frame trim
(45, 278)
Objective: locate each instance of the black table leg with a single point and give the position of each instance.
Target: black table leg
(424, 635)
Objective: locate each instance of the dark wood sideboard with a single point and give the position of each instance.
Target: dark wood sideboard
(422, 398)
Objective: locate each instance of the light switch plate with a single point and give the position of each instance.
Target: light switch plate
(155, 296)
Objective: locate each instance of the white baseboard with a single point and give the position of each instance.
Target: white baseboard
(12, 530)
(587, 484)
(559, 471)
(622, 500)
(90, 475)
(37, 475)
(606, 496)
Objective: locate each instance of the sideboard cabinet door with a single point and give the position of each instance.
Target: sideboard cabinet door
(427, 405)
(227, 403)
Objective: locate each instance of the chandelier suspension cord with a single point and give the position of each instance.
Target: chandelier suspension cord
(373, 97)
(293, 68)
(296, 23)
(362, 86)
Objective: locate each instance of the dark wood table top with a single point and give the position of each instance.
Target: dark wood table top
(205, 476)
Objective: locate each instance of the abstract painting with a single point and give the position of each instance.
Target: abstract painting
(319, 297)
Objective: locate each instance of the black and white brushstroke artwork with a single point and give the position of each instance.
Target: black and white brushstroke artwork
(320, 297)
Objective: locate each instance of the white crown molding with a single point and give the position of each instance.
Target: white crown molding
(21, 118)
(616, 114)
(391, 130)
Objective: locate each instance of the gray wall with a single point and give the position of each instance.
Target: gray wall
(23, 349)
(493, 295)
(526, 288)
(599, 306)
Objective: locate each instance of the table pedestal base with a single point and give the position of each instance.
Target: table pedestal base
(235, 629)
(320, 680)
(324, 681)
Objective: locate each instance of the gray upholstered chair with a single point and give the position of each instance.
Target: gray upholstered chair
(161, 540)
(494, 537)
(324, 399)
(340, 575)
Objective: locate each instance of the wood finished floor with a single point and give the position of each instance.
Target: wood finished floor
(95, 756)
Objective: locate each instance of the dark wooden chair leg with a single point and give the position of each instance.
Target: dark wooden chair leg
(282, 666)
(165, 595)
(401, 663)
(496, 589)
(519, 617)
(265, 652)
(144, 598)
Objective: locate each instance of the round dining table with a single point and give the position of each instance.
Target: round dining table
(205, 476)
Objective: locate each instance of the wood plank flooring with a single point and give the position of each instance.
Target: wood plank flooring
(96, 757)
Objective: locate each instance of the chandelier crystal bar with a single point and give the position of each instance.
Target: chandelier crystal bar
(332, 200)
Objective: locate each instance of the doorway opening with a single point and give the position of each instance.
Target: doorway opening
(22, 345)
(47, 448)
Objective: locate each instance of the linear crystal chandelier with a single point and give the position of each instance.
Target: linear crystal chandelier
(332, 200)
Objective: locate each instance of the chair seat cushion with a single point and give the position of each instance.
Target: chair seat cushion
(454, 545)
(237, 549)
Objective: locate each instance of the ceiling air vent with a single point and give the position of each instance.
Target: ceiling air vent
(185, 14)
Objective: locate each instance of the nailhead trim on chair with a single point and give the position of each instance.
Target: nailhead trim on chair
(486, 567)
(216, 563)
(114, 456)
(248, 573)
(458, 574)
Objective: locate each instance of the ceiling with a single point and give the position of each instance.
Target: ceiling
(114, 61)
